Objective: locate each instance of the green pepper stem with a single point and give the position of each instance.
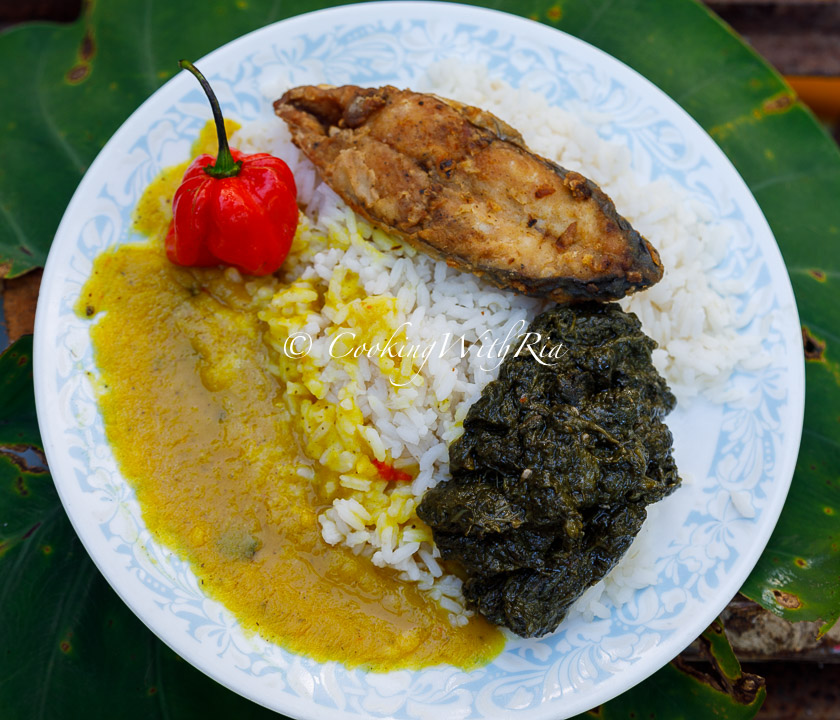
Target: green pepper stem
(225, 166)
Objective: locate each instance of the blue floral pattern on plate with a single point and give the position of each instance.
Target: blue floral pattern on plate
(708, 546)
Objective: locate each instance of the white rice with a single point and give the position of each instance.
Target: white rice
(692, 319)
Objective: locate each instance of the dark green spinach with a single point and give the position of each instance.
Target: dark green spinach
(559, 458)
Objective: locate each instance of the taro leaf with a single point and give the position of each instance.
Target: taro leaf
(793, 169)
(682, 691)
(73, 85)
(70, 647)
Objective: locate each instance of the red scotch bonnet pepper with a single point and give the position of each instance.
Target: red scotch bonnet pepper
(239, 211)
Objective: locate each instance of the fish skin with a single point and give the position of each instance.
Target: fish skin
(460, 184)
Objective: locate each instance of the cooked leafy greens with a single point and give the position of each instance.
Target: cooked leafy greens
(559, 458)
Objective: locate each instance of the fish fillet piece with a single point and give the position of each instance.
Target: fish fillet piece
(460, 184)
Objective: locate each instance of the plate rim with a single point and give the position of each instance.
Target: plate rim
(795, 410)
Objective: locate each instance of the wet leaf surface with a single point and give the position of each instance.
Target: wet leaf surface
(73, 86)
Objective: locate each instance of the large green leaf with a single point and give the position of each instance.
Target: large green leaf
(71, 88)
(70, 647)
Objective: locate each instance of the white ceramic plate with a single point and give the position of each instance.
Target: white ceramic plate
(745, 452)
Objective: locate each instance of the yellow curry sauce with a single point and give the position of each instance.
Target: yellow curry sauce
(198, 428)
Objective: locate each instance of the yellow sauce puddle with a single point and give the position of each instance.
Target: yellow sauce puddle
(199, 429)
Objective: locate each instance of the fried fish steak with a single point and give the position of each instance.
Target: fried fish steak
(460, 184)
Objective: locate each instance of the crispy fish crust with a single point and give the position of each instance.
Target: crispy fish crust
(459, 183)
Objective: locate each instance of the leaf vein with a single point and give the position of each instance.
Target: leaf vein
(787, 177)
(273, 13)
(13, 224)
(60, 140)
(86, 574)
(799, 270)
(605, 7)
(162, 704)
(6, 586)
(148, 55)
(819, 436)
(823, 332)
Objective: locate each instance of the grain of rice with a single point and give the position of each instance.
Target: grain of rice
(693, 316)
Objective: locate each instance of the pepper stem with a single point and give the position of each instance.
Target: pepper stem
(225, 166)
